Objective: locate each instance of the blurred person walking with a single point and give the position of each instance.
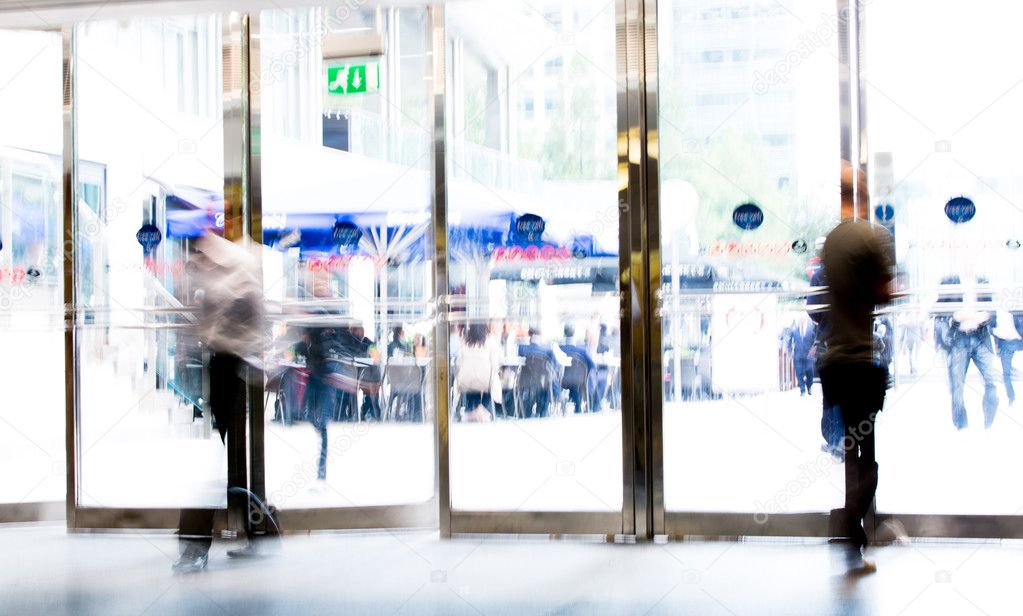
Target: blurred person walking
(858, 264)
(324, 359)
(231, 326)
(832, 428)
(965, 335)
(1008, 334)
(801, 343)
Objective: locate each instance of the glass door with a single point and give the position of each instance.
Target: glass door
(32, 446)
(534, 436)
(150, 156)
(748, 128)
(945, 177)
(346, 144)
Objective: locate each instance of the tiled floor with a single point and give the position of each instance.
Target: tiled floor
(46, 571)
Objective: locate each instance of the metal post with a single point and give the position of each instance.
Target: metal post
(634, 267)
(859, 43)
(254, 222)
(440, 264)
(236, 176)
(70, 247)
(650, 147)
(845, 98)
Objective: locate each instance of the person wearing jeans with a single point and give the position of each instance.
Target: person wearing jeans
(1008, 334)
(323, 400)
(966, 335)
(974, 346)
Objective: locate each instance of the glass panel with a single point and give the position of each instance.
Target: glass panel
(749, 164)
(948, 180)
(346, 212)
(533, 250)
(32, 453)
(146, 435)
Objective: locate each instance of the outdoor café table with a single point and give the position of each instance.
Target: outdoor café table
(406, 360)
(343, 383)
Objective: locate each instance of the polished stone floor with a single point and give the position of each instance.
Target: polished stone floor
(46, 571)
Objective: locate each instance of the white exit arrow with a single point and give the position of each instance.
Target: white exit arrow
(339, 80)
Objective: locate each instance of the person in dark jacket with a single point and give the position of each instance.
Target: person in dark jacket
(538, 382)
(586, 368)
(832, 429)
(859, 264)
(399, 345)
(324, 352)
(802, 339)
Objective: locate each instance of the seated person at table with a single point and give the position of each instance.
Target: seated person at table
(419, 349)
(478, 362)
(538, 382)
(576, 378)
(399, 345)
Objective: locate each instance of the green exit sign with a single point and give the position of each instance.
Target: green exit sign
(353, 78)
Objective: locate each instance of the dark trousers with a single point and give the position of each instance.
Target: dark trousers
(575, 396)
(227, 403)
(473, 399)
(1006, 349)
(804, 373)
(535, 402)
(858, 390)
(370, 406)
(832, 426)
(323, 402)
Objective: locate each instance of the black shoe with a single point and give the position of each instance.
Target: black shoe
(190, 562)
(856, 564)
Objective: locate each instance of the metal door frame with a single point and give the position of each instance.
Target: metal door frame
(679, 524)
(643, 514)
(633, 521)
(413, 515)
(243, 204)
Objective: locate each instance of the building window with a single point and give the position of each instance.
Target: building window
(740, 55)
(553, 66)
(527, 107)
(712, 56)
(548, 103)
